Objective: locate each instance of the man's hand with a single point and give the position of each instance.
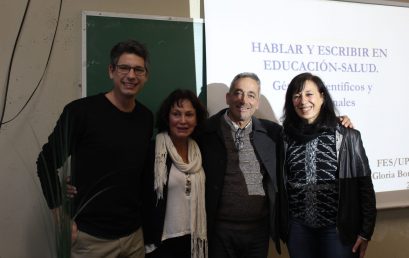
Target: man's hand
(74, 232)
(346, 122)
(56, 215)
(74, 228)
(361, 245)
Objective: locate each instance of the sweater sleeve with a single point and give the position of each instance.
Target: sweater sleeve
(149, 199)
(53, 155)
(366, 190)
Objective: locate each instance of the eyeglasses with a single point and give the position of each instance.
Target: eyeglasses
(125, 69)
(238, 139)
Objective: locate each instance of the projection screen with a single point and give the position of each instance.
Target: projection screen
(361, 51)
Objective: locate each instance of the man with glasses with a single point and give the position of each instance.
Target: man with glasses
(106, 136)
(239, 158)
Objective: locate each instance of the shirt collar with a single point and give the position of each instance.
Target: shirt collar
(233, 124)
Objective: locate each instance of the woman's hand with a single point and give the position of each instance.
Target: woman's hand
(71, 190)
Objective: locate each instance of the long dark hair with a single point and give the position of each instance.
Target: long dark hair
(176, 97)
(327, 117)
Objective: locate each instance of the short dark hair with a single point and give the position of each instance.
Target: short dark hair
(327, 117)
(131, 47)
(176, 97)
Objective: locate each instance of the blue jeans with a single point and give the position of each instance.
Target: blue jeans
(306, 242)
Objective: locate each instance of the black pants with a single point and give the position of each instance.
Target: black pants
(236, 242)
(177, 247)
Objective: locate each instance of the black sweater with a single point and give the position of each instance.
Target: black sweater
(108, 152)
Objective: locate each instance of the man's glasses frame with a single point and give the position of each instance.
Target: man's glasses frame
(125, 69)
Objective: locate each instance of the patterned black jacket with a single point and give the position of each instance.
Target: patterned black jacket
(357, 204)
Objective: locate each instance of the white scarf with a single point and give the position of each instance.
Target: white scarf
(163, 147)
